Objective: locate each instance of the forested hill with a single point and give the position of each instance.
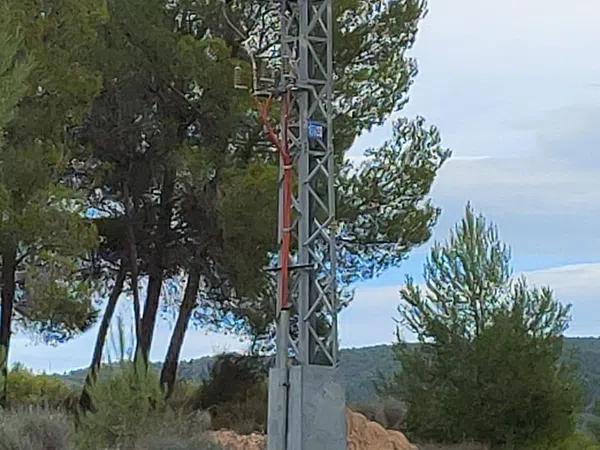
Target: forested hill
(360, 367)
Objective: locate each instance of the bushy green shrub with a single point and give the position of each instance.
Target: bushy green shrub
(244, 415)
(184, 396)
(123, 401)
(236, 394)
(577, 441)
(130, 412)
(28, 389)
(35, 429)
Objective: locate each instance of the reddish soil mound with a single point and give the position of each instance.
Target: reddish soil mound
(365, 435)
(231, 441)
(362, 435)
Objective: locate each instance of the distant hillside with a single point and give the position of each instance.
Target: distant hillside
(360, 367)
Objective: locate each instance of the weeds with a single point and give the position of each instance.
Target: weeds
(130, 411)
(35, 429)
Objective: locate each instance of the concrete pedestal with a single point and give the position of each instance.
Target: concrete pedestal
(316, 405)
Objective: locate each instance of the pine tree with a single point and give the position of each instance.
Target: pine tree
(14, 68)
(43, 231)
(488, 363)
(168, 76)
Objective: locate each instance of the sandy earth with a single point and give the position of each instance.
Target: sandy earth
(362, 435)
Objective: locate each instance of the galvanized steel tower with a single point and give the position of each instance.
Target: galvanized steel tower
(306, 404)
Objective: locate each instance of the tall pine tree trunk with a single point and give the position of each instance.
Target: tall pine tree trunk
(155, 281)
(133, 261)
(9, 262)
(156, 272)
(168, 374)
(85, 401)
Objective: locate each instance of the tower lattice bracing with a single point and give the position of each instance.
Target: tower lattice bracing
(307, 69)
(306, 403)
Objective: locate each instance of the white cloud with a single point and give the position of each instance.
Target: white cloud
(528, 185)
(77, 353)
(578, 285)
(579, 280)
(370, 319)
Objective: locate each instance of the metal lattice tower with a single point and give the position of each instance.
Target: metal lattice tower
(306, 404)
(307, 53)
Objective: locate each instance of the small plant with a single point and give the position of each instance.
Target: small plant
(28, 389)
(122, 401)
(236, 394)
(130, 411)
(35, 429)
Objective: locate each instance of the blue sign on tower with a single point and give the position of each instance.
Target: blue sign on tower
(316, 131)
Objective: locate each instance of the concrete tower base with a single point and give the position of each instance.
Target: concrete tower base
(316, 418)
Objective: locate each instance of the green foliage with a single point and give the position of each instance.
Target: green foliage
(488, 367)
(41, 214)
(124, 402)
(524, 392)
(26, 389)
(35, 429)
(236, 394)
(130, 412)
(14, 69)
(577, 441)
(383, 207)
(592, 425)
(372, 39)
(244, 415)
(59, 38)
(43, 232)
(248, 197)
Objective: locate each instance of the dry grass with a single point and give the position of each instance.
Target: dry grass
(35, 429)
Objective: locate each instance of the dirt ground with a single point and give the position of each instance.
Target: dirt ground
(362, 435)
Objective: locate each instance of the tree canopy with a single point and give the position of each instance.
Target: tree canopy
(488, 367)
(43, 232)
(129, 120)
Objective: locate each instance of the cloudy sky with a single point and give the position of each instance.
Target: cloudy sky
(514, 87)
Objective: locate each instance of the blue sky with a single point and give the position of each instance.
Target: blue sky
(514, 87)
